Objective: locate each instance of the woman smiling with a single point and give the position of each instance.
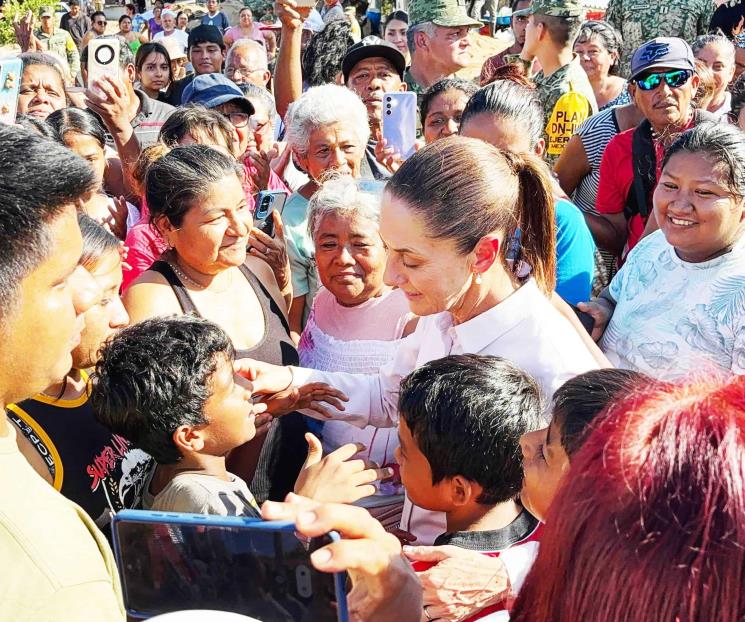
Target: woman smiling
(357, 321)
(677, 305)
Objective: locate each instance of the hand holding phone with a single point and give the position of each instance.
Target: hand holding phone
(385, 586)
(267, 202)
(399, 122)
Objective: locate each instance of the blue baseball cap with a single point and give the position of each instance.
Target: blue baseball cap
(667, 52)
(212, 90)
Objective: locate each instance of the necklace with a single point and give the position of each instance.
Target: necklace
(182, 275)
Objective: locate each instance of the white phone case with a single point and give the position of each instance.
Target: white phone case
(399, 122)
(103, 59)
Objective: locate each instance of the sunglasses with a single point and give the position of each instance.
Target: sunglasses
(674, 79)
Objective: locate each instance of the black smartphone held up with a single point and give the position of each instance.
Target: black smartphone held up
(267, 202)
(174, 562)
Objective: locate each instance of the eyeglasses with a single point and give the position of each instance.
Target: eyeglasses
(237, 119)
(232, 72)
(674, 79)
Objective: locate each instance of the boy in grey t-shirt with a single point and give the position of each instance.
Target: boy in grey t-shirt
(168, 385)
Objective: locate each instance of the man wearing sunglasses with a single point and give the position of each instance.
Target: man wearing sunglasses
(663, 82)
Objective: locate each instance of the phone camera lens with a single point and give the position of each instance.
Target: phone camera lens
(388, 112)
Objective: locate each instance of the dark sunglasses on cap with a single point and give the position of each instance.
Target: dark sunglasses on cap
(674, 79)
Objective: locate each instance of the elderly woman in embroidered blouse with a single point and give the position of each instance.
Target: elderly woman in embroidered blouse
(448, 217)
(676, 305)
(357, 322)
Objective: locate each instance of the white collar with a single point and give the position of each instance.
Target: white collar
(479, 332)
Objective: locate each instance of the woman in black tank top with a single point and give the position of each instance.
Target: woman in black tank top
(197, 202)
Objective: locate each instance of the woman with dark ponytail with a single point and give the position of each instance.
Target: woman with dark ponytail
(450, 218)
(510, 117)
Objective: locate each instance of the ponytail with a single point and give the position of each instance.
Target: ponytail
(464, 189)
(535, 209)
(147, 157)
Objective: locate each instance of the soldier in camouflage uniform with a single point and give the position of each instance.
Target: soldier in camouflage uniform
(447, 22)
(552, 28)
(641, 20)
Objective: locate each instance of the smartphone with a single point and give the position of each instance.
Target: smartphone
(173, 562)
(267, 202)
(11, 70)
(399, 122)
(103, 59)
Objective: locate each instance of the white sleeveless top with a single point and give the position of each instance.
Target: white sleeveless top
(321, 351)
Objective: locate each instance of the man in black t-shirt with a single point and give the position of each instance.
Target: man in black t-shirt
(206, 54)
(76, 23)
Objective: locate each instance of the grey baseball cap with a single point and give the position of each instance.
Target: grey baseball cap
(667, 52)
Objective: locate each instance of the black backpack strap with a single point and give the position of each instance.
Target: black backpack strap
(644, 163)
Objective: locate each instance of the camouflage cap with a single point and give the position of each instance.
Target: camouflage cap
(554, 8)
(448, 13)
(46, 11)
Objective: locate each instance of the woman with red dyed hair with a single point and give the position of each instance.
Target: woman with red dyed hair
(650, 522)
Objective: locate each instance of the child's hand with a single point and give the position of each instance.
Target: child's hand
(336, 478)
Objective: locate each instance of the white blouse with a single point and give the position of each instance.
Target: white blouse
(525, 329)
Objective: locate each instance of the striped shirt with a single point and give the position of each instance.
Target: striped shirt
(595, 134)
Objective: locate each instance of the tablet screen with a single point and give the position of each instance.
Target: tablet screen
(262, 573)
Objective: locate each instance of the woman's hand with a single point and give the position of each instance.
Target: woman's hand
(24, 32)
(307, 397)
(336, 478)
(265, 378)
(273, 250)
(116, 222)
(260, 162)
(601, 312)
(384, 586)
(462, 582)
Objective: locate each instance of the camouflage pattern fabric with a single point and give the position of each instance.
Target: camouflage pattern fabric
(258, 7)
(549, 89)
(641, 20)
(448, 13)
(557, 8)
